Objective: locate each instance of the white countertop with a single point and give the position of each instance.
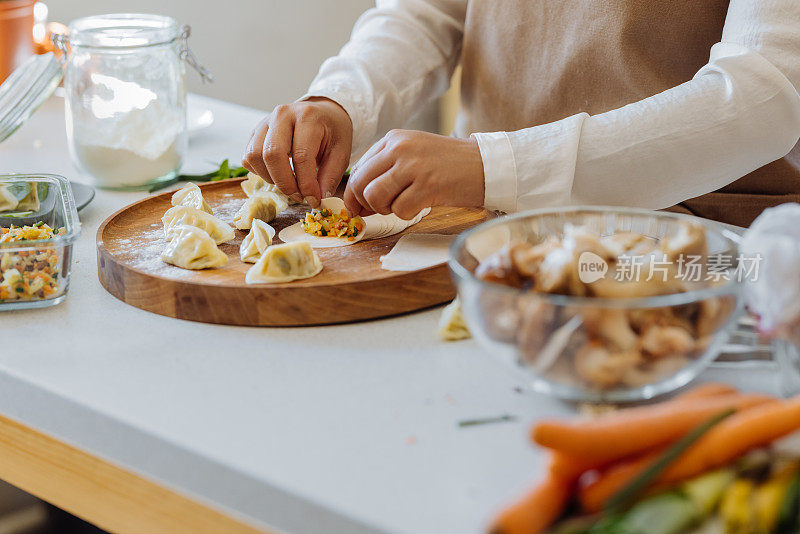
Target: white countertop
(339, 429)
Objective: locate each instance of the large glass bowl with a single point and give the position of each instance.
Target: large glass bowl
(554, 337)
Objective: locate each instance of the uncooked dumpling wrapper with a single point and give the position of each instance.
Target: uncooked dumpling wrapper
(219, 230)
(256, 242)
(191, 196)
(486, 242)
(375, 227)
(192, 248)
(413, 252)
(285, 263)
(263, 205)
(378, 226)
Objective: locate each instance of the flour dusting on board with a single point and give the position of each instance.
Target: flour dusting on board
(227, 210)
(144, 253)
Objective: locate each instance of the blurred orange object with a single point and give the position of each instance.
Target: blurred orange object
(43, 45)
(16, 34)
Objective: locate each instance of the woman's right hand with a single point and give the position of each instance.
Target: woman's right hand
(317, 134)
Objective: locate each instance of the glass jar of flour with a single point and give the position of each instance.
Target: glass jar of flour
(126, 98)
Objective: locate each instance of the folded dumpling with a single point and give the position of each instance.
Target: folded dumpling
(30, 202)
(284, 263)
(256, 242)
(8, 201)
(191, 196)
(255, 184)
(192, 248)
(452, 326)
(219, 230)
(263, 205)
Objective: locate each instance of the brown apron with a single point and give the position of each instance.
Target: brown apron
(530, 62)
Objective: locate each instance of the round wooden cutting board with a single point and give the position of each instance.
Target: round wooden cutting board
(351, 287)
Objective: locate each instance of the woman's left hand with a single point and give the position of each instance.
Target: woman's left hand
(408, 171)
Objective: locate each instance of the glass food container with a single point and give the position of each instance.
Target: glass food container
(569, 346)
(126, 98)
(34, 273)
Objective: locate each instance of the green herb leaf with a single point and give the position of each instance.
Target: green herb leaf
(609, 524)
(624, 497)
(223, 172)
(487, 420)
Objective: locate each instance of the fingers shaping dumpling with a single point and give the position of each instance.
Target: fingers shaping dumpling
(284, 263)
(214, 227)
(264, 206)
(256, 184)
(192, 248)
(192, 197)
(256, 242)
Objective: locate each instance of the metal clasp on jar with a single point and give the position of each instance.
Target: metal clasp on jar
(188, 56)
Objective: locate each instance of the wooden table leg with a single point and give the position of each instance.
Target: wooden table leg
(99, 492)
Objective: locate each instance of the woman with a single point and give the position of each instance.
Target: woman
(612, 102)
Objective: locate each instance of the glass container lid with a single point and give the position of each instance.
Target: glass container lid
(26, 89)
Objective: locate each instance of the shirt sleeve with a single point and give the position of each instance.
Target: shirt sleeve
(739, 112)
(401, 55)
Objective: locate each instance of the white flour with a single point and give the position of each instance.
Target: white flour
(130, 139)
(144, 253)
(227, 210)
(118, 167)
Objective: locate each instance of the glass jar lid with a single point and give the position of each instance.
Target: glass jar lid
(123, 30)
(28, 86)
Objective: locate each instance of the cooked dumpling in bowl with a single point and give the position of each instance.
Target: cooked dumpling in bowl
(219, 230)
(192, 248)
(256, 242)
(263, 205)
(191, 196)
(284, 263)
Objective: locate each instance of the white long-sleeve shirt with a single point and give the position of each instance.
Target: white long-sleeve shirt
(739, 112)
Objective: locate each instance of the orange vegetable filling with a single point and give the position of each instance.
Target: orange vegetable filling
(28, 274)
(325, 223)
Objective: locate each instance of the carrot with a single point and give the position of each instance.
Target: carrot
(708, 389)
(635, 430)
(569, 466)
(537, 510)
(594, 495)
(742, 432)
